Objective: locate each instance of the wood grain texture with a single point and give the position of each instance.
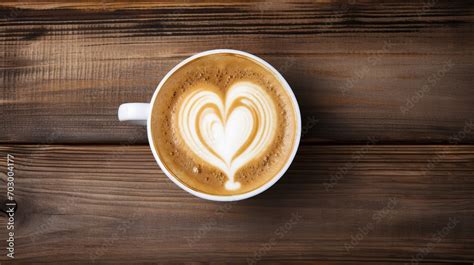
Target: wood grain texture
(65, 68)
(112, 204)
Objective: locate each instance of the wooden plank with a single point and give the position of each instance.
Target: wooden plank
(78, 204)
(65, 68)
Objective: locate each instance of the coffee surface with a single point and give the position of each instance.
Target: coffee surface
(223, 124)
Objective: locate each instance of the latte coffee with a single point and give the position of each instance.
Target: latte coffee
(223, 124)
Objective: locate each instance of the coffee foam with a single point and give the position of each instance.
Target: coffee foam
(223, 124)
(228, 130)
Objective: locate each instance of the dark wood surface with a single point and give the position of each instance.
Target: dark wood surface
(66, 68)
(377, 179)
(112, 204)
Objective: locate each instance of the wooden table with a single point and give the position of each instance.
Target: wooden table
(384, 174)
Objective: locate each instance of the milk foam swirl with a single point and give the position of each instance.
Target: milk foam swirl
(228, 132)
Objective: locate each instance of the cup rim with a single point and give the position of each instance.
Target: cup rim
(236, 197)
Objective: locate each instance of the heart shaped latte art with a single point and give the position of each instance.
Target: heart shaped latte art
(231, 131)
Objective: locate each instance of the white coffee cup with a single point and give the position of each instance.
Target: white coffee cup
(140, 113)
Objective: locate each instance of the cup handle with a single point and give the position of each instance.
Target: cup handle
(136, 113)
